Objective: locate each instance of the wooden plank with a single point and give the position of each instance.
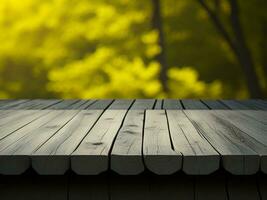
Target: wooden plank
(100, 104)
(120, 104)
(254, 104)
(88, 188)
(237, 157)
(10, 104)
(199, 157)
(211, 187)
(253, 131)
(234, 105)
(53, 157)
(35, 104)
(257, 115)
(91, 157)
(214, 104)
(172, 104)
(18, 120)
(193, 104)
(158, 105)
(141, 104)
(126, 155)
(65, 104)
(159, 157)
(14, 159)
(243, 188)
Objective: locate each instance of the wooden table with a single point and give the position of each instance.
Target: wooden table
(132, 137)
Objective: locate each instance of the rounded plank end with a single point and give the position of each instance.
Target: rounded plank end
(201, 164)
(127, 164)
(241, 164)
(89, 164)
(264, 164)
(50, 164)
(163, 164)
(14, 164)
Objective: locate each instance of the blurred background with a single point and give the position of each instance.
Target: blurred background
(133, 49)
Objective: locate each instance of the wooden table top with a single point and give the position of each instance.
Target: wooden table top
(129, 137)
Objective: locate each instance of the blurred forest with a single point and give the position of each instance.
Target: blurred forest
(133, 49)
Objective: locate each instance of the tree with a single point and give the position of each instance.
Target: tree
(236, 42)
(161, 58)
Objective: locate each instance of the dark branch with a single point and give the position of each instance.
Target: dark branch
(217, 22)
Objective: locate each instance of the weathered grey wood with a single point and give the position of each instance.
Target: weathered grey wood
(253, 132)
(199, 157)
(243, 188)
(234, 105)
(211, 187)
(143, 104)
(159, 157)
(14, 159)
(11, 104)
(120, 104)
(126, 155)
(91, 157)
(173, 187)
(129, 187)
(214, 104)
(193, 104)
(72, 104)
(19, 119)
(35, 104)
(159, 104)
(88, 188)
(53, 157)
(237, 157)
(172, 104)
(254, 104)
(100, 104)
(257, 115)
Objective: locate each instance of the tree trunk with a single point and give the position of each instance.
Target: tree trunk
(157, 25)
(237, 44)
(243, 53)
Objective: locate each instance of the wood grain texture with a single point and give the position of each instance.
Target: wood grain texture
(91, 157)
(18, 120)
(53, 157)
(199, 157)
(100, 104)
(237, 157)
(120, 104)
(159, 104)
(126, 155)
(253, 132)
(143, 104)
(14, 159)
(214, 104)
(159, 157)
(193, 104)
(35, 104)
(11, 103)
(235, 105)
(172, 104)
